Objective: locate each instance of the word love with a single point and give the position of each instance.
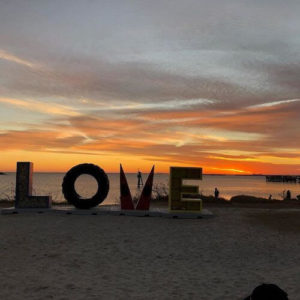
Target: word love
(181, 197)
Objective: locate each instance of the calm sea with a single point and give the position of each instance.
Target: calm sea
(86, 186)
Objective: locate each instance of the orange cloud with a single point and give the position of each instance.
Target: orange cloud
(239, 142)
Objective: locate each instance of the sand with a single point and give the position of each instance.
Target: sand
(46, 256)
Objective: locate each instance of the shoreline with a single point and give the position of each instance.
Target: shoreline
(268, 204)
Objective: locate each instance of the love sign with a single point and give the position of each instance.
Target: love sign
(182, 198)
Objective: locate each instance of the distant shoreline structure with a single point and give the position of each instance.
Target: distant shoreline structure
(283, 178)
(2, 173)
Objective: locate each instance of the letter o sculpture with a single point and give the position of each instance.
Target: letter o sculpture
(70, 193)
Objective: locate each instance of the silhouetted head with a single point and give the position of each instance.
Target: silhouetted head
(268, 292)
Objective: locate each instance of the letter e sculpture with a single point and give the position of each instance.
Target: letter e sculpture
(184, 197)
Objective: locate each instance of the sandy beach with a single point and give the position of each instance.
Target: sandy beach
(47, 256)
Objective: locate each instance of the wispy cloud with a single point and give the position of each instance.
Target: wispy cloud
(274, 103)
(41, 107)
(15, 59)
(164, 105)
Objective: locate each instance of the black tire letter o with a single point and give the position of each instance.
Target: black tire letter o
(70, 193)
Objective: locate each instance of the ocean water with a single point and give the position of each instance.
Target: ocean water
(86, 186)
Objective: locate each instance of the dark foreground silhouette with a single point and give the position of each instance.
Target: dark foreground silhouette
(268, 292)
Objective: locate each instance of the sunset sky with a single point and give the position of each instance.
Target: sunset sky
(214, 84)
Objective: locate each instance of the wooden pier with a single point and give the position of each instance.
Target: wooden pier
(283, 178)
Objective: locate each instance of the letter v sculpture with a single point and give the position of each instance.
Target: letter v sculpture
(125, 194)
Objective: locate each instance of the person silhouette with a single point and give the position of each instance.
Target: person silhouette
(288, 195)
(140, 179)
(216, 193)
(268, 292)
